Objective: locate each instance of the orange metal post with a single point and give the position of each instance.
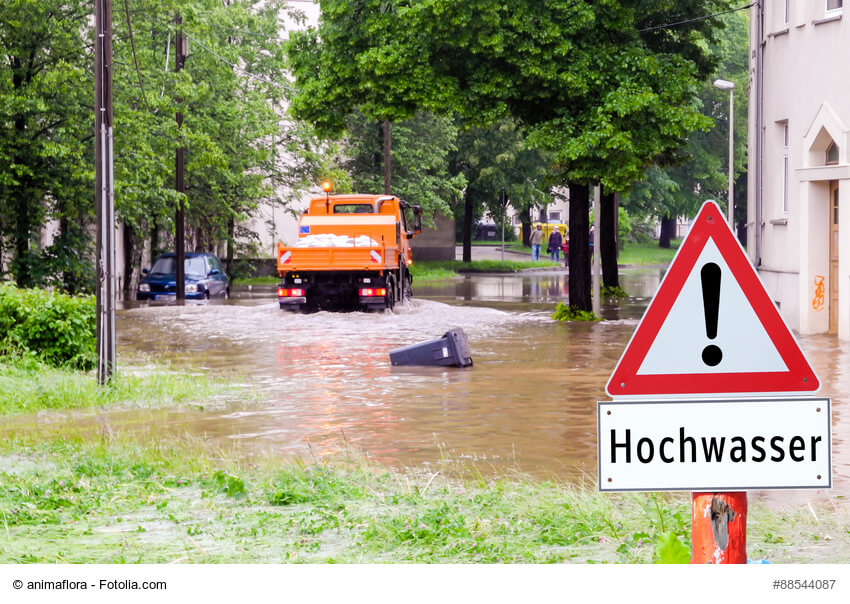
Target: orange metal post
(719, 528)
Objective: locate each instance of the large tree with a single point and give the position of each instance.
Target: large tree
(700, 171)
(241, 147)
(421, 149)
(596, 83)
(493, 159)
(45, 131)
(228, 91)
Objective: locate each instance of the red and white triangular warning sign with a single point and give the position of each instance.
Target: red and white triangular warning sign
(712, 328)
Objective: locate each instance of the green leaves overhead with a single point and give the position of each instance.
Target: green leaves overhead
(593, 82)
(240, 147)
(679, 185)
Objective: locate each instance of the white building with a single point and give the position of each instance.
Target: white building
(799, 164)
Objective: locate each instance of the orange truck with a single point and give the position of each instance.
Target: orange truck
(353, 252)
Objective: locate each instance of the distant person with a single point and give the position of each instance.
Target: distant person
(566, 248)
(590, 233)
(535, 239)
(555, 241)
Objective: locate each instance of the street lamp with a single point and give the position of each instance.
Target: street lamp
(730, 86)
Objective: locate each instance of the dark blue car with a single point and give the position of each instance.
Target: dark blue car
(205, 278)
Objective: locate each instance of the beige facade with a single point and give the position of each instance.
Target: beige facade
(799, 225)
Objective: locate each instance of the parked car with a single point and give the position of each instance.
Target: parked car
(204, 278)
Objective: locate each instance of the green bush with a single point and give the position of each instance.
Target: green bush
(55, 328)
(571, 313)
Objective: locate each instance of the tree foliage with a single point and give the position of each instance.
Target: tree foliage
(46, 167)
(493, 159)
(421, 147)
(597, 84)
(241, 147)
(700, 173)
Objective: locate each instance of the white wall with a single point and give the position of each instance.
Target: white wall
(807, 89)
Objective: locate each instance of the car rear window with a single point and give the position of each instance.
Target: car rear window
(194, 266)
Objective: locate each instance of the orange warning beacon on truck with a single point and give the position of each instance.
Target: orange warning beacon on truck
(353, 252)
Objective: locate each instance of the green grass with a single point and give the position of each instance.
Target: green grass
(181, 501)
(257, 281)
(28, 387)
(446, 269)
(515, 244)
(647, 253)
(426, 270)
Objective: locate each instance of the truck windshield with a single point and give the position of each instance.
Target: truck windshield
(353, 208)
(168, 266)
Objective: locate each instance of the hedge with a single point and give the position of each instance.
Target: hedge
(55, 328)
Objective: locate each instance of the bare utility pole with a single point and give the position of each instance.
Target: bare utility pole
(179, 219)
(105, 254)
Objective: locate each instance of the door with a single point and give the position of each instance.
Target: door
(833, 256)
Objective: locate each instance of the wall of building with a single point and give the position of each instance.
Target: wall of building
(806, 106)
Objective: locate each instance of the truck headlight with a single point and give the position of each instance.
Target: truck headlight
(191, 288)
(144, 287)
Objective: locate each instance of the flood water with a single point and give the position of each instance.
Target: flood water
(323, 381)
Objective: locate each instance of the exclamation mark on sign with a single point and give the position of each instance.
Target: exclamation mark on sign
(710, 276)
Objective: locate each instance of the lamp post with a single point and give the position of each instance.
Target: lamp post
(730, 86)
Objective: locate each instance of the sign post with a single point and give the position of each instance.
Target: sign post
(713, 395)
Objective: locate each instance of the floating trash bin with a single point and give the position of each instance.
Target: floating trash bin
(452, 350)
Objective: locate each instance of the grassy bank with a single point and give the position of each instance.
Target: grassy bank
(268, 280)
(446, 269)
(29, 386)
(647, 253)
(178, 501)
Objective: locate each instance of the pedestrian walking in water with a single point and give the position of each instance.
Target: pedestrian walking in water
(535, 239)
(555, 241)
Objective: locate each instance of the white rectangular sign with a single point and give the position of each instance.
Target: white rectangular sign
(714, 445)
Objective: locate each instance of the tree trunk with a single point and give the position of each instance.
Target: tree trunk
(23, 228)
(467, 227)
(608, 239)
(525, 220)
(231, 229)
(129, 246)
(154, 241)
(387, 157)
(668, 232)
(579, 258)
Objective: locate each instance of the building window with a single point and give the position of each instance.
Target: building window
(555, 216)
(832, 154)
(834, 6)
(785, 167)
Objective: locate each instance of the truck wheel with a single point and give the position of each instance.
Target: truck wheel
(390, 297)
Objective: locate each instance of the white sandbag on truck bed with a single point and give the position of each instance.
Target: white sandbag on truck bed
(331, 240)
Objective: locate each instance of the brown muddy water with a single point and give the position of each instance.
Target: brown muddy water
(323, 382)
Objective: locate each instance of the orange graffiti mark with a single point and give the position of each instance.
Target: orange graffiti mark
(819, 300)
